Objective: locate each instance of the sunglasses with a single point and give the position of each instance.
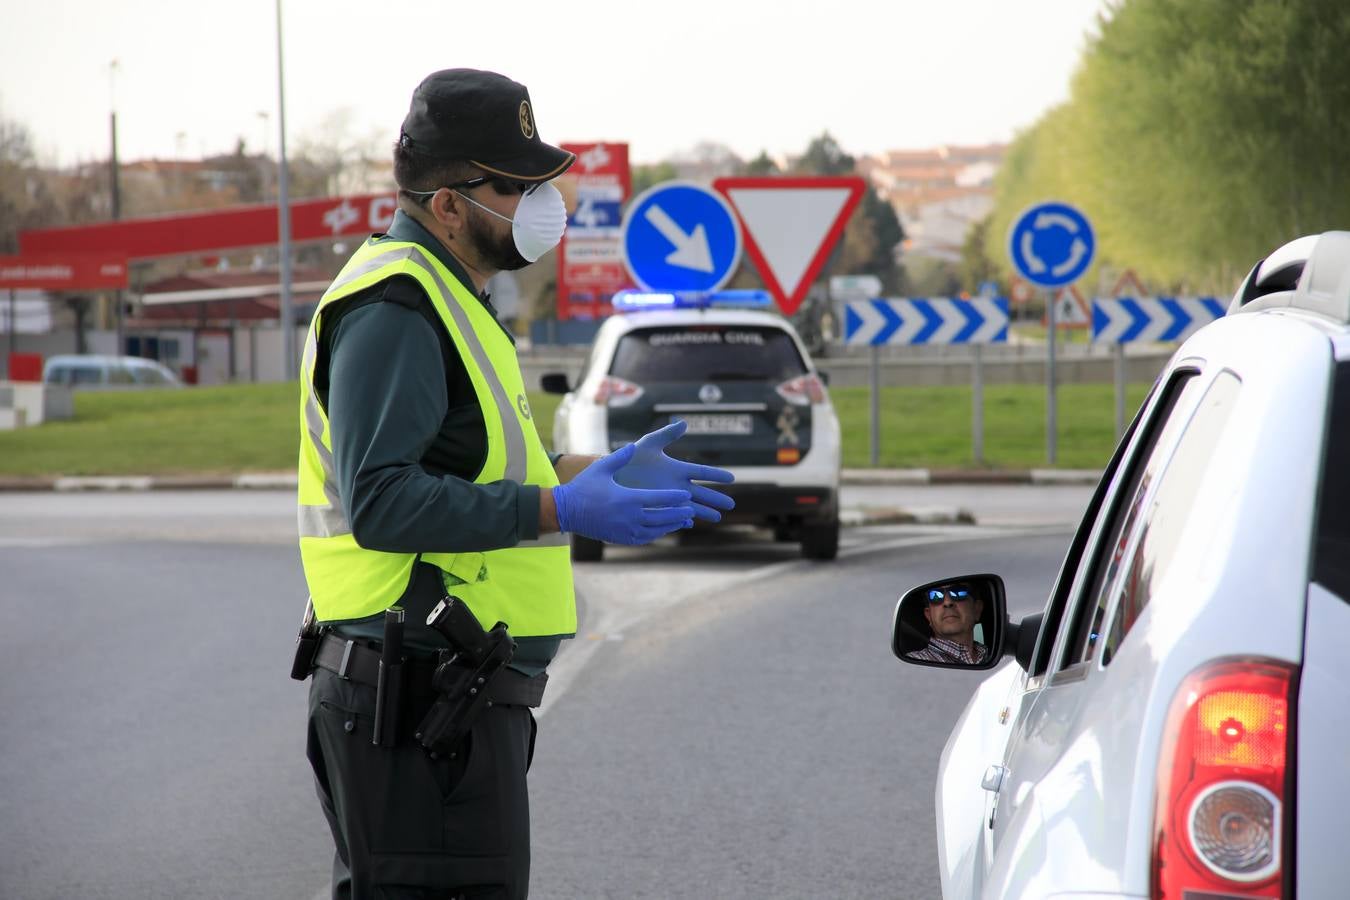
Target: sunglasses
(504, 187)
(936, 596)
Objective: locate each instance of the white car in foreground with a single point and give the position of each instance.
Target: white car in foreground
(742, 380)
(1176, 724)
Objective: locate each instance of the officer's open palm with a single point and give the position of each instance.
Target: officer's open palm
(651, 468)
(594, 505)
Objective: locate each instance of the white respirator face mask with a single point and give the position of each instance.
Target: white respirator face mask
(539, 222)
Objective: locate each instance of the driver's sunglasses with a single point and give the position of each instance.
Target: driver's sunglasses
(936, 596)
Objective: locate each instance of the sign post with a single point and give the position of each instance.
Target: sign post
(874, 323)
(1051, 245)
(977, 408)
(876, 406)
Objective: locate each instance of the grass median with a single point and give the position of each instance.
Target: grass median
(253, 428)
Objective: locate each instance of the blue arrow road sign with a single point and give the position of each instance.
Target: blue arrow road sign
(1051, 244)
(1121, 320)
(679, 236)
(918, 320)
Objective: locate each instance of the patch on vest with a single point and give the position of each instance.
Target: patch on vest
(524, 405)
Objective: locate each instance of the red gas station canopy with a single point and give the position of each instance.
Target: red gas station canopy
(224, 229)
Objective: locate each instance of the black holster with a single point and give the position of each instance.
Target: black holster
(306, 644)
(462, 675)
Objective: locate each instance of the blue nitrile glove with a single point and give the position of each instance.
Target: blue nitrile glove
(652, 469)
(594, 506)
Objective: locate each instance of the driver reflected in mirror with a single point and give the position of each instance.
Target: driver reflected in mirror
(953, 611)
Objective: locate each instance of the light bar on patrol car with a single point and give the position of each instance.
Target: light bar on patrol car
(639, 301)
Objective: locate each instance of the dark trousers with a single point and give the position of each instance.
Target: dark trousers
(413, 828)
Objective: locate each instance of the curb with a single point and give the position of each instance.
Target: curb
(969, 476)
(78, 483)
(288, 480)
(865, 516)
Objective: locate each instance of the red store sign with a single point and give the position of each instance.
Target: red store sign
(63, 272)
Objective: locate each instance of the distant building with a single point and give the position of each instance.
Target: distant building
(938, 193)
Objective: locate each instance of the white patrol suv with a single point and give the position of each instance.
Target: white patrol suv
(1176, 725)
(740, 376)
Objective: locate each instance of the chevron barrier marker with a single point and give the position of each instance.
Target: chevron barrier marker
(1123, 320)
(922, 320)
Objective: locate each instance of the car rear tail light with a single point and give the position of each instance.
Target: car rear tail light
(803, 390)
(1221, 804)
(616, 392)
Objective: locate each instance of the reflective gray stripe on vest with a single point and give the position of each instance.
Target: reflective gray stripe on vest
(557, 539)
(517, 463)
(329, 520)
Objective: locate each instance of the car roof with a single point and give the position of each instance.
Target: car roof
(99, 359)
(1308, 278)
(625, 322)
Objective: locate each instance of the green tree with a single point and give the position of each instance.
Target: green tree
(16, 177)
(976, 266)
(646, 176)
(761, 165)
(874, 233)
(1199, 135)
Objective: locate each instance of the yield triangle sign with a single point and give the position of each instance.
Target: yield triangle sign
(790, 227)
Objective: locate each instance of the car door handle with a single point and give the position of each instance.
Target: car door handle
(994, 776)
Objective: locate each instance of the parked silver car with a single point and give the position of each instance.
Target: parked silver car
(94, 371)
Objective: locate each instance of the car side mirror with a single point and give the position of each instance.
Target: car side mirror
(956, 623)
(554, 383)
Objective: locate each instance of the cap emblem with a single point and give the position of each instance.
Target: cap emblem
(526, 120)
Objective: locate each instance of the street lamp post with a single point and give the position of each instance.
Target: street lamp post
(116, 205)
(284, 219)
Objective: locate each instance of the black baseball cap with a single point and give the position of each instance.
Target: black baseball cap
(483, 118)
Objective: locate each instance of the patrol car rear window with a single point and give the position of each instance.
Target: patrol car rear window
(697, 352)
(1331, 562)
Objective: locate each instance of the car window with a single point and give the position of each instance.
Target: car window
(58, 375)
(1117, 528)
(717, 352)
(1170, 507)
(1059, 594)
(120, 374)
(1331, 557)
(86, 375)
(149, 375)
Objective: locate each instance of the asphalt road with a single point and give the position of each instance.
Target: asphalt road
(728, 723)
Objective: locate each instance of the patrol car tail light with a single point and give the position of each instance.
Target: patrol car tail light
(616, 392)
(803, 390)
(1220, 807)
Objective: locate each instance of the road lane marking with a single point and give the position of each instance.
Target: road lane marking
(613, 619)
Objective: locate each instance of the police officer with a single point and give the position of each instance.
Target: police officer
(422, 475)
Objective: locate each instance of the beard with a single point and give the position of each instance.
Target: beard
(498, 252)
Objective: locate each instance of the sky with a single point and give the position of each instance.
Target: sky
(195, 76)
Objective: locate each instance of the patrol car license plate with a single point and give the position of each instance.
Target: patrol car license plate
(726, 423)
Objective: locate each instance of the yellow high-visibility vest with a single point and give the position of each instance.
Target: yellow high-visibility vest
(528, 586)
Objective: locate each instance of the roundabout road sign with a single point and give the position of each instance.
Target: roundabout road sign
(1051, 244)
(679, 236)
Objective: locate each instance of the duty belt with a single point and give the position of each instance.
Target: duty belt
(355, 661)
